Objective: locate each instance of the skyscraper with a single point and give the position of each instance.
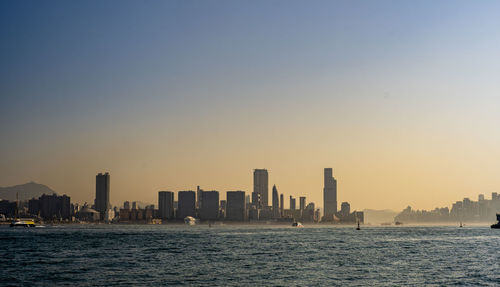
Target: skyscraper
(186, 204)
(302, 202)
(198, 197)
(276, 208)
(292, 203)
(101, 202)
(329, 195)
(261, 185)
(166, 204)
(235, 209)
(282, 204)
(210, 208)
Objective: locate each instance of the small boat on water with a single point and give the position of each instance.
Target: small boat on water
(358, 228)
(189, 220)
(297, 224)
(496, 225)
(22, 223)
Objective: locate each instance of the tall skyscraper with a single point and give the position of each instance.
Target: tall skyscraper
(282, 205)
(186, 204)
(276, 207)
(261, 185)
(329, 194)
(198, 197)
(166, 204)
(302, 202)
(292, 203)
(210, 208)
(235, 209)
(101, 202)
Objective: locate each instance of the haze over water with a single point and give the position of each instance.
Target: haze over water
(249, 256)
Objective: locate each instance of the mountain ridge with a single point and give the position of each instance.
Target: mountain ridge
(26, 191)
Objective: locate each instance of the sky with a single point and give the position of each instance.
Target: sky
(400, 98)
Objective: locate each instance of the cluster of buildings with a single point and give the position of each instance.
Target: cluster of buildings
(205, 205)
(465, 210)
(47, 207)
(239, 206)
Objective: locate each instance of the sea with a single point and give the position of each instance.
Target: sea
(249, 255)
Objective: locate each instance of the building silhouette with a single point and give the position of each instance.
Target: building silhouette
(282, 204)
(198, 197)
(210, 207)
(276, 207)
(292, 203)
(166, 204)
(235, 206)
(51, 207)
(329, 195)
(186, 204)
(345, 209)
(302, 202)
(261, 185)
(102, 201)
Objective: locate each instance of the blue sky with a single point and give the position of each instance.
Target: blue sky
(77, 77)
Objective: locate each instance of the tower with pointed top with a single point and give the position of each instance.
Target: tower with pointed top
(276, 207)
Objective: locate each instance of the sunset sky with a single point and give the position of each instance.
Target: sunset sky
(400, 98)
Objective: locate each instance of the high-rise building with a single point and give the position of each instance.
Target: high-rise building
(292, 203)
(329, 195)
(54, 206)
(102, 201)
(166, 204)
(210, 208)
(198, 197)
(261, 185)
(302, 202)
(235, 209)
(282, 204)
(276, 207)
(187, 204)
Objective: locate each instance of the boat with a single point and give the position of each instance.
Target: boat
(496, 225)
(358, 228)
(189, 220)
(461, 225)
(297, 224)
(22, 223)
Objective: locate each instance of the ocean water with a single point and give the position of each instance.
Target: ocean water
(146, 255)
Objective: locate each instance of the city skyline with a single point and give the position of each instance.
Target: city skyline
(401, 97)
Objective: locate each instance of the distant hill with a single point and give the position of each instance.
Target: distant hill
(379, 216)
(26, 191)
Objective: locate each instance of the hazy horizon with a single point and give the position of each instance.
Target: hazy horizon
(400, 98)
